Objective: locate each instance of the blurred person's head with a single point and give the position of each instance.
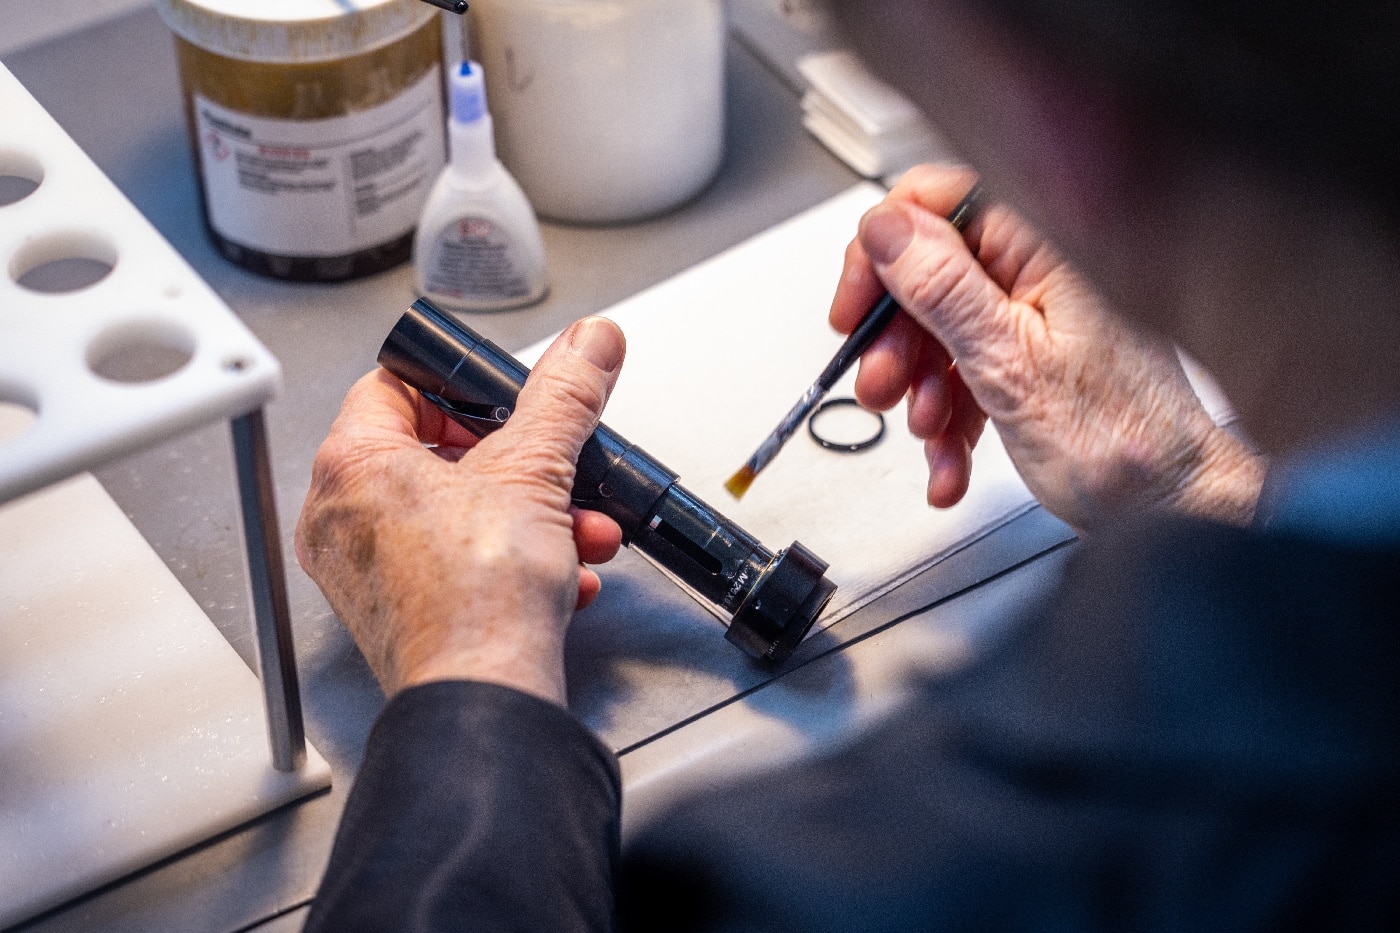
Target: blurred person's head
(1222, 169)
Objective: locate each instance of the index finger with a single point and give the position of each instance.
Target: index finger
(856, 292)
(381, 411)
(936, 188)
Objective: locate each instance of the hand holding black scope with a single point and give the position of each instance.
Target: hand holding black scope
(769, 601)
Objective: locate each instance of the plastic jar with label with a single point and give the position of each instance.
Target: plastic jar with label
(317, 128)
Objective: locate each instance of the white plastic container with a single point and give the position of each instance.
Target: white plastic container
(607, 110)
(478, 245)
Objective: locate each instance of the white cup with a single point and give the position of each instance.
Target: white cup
(605, 110)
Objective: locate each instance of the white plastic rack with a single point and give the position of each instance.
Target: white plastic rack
(109, 343)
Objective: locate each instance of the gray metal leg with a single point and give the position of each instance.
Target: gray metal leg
(271, 613)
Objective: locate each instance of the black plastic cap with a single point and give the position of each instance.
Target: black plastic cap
(781, 609)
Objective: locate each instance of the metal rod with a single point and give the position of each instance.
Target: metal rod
(267, 576)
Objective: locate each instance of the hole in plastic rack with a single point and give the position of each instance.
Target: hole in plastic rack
(63, 262)
(20, 176)
(142, 351)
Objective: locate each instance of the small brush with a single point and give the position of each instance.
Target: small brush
(451, 6)
(870, 327)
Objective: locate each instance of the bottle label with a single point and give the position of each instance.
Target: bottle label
(327, 187)
(473, 260)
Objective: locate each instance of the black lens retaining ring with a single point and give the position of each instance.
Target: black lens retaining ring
(836, 445)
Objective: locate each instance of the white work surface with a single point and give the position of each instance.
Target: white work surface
(129, 729)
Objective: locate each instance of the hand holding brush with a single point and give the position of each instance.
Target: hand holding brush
(870, 327)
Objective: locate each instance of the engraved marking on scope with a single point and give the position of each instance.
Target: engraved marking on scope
(737, 588)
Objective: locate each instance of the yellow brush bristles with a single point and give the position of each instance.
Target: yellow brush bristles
(739, 483)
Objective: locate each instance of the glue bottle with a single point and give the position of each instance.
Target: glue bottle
(478, 244)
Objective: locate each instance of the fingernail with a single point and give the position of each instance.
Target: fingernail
(886, 234)
(599, 341)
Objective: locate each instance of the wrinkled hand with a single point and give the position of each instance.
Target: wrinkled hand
(466, 568)
(1098, 416)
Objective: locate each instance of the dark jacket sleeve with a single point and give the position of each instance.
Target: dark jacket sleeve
(1199, 732)
(477, 808)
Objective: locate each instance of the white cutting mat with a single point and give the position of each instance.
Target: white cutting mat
(719, 353)
(129, 729)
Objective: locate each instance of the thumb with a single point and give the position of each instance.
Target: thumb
(933, 275)
(563, 397)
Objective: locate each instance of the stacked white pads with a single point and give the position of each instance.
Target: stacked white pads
(868, 124)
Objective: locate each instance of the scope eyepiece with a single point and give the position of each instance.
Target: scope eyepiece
(768, 601)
